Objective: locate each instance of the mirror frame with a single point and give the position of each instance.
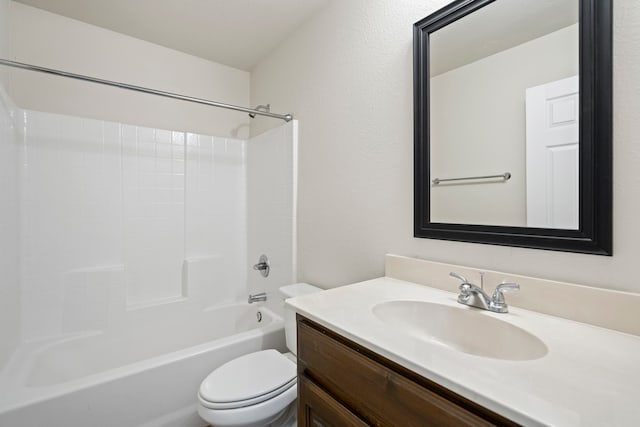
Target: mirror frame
(594, 234)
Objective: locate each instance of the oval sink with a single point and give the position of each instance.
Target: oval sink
(462, 329)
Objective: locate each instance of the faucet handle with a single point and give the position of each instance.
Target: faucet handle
(497, 300)
(263, 265)
(459, 277)
(465, 287)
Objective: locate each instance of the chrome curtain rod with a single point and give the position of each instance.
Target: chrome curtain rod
(285, 117)
(506, 176)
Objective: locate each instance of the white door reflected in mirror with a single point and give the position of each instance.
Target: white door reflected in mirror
(552, 154)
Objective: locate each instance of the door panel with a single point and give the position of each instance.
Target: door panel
(552, 154)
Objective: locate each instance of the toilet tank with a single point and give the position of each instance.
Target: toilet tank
(290, 291)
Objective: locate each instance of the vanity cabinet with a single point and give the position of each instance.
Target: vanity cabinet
(343, 384)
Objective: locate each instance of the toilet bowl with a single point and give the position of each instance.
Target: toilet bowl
(257, 389)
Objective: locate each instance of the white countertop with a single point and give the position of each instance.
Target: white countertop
(589, 377)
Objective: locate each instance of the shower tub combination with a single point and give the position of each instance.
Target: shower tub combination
(94, 380)
(139, 362)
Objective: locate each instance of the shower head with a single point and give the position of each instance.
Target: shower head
(266, 108)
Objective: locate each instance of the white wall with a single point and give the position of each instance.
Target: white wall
(489, 95)
(9, 259)
(53, 41)
(347, 76)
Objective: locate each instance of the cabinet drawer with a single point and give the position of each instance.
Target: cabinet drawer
(317, 409)
(380, 391)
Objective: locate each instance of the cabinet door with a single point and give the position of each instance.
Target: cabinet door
(381, 392)
(317, 409)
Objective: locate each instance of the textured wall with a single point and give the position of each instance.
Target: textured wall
(5, 41)
(347, 76)
(50, 40)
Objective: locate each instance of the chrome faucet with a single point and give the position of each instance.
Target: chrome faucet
(262, 296)
(474, 296)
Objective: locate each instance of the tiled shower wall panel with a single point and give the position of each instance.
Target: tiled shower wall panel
(216, 219)
(105, 220)
(9, 243)
(271, 190)
(71, 216)
(153, 172)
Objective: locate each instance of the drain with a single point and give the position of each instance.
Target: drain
(259, 316)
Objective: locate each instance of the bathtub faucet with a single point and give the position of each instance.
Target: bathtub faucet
(262, 296)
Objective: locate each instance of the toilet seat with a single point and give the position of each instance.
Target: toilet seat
(247, 402)
(257, 415)
(248, 380)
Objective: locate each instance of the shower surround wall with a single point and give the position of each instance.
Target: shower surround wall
(272, 170)
(9, 238)
(129, 224)
(132, 245)
(106, 224)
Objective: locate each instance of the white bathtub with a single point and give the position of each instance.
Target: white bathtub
(147, 376)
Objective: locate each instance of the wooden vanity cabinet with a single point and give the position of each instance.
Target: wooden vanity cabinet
(340, 383)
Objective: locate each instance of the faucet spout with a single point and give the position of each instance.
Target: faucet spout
(474, 296)
(262, 296)
(470, 294)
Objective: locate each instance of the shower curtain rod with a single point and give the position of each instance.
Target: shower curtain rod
(285, 117)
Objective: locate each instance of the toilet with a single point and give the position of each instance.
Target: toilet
(257, 389)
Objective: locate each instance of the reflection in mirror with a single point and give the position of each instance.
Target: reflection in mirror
(517, 93)
(504, 99)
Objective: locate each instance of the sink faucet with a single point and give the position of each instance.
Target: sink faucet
(474, 296)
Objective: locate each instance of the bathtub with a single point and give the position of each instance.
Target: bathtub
(101, 380)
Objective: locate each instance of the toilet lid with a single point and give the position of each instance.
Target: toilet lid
(248, 380)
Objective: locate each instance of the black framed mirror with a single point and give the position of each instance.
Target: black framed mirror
(513, 124)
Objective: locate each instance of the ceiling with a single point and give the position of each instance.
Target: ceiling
(238, 33)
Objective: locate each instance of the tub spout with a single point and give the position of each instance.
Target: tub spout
(262, 296)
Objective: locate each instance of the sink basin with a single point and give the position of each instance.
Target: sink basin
(461, 328)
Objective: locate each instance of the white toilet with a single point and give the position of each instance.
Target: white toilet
(257, 389)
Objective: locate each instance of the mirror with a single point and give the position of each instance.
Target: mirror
(513, 124)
